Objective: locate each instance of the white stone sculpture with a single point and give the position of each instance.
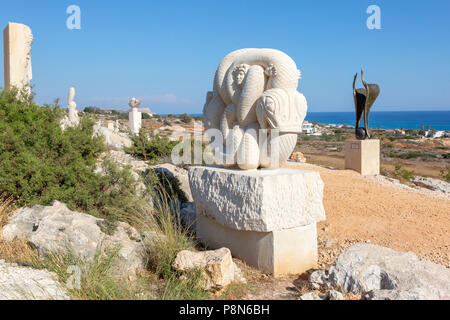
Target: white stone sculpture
(72, 107)
(17, 40)
(135, 117)
(256, 89)
(72, 119)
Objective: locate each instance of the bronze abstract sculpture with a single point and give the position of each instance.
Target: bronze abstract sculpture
(364, 99)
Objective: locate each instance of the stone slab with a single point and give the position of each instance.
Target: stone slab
(258, 200)
(363, 156)
(280, 252)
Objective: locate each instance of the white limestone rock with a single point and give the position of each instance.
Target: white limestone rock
(259, 200)
(430, 183)
(380, 273)
(310, 296)
(55, 228)
(218, 267)
(20, 283)
(114, 140)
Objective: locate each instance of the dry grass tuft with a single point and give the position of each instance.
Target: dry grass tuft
(18, 251)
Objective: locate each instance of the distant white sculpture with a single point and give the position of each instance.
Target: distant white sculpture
(135, 117)
(72, 107)
(72, 120)
(17, 40)
(256, 89)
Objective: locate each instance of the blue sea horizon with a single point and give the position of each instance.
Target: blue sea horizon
(437, 120)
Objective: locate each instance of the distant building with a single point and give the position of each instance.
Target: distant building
(436, 134)
(308, 128)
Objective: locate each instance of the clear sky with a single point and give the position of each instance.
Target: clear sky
(166, 52)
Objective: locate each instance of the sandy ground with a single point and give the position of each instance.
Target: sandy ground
(362, 210)
(359, 209)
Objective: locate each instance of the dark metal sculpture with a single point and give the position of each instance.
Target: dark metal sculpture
(364, 99)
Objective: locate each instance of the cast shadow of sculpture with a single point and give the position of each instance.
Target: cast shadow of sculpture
(364, 99)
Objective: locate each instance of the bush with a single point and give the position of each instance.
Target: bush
(446, 175)
(403, 173)
(186, 118)
(150, 146)
(94, 110)
(41, 162)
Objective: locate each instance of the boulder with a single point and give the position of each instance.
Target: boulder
(55, 228)
(20, 283)
(382, 273)
(180, 174)
(430, 183)
(217, 266)
(310, 296)
(334, 295)
(188, 215)
(113, 140)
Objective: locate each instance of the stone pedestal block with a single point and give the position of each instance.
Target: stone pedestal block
(135, 120)
(265, 217)
(363, 156)
(279, 252)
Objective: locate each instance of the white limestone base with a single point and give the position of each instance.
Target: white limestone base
(363, 156)
(281, 252)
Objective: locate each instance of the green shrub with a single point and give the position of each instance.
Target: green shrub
(445, 174)
(186, 118)
(150, 146)
(399, 172)
(40, 162)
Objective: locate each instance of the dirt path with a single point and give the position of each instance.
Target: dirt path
(362, 210)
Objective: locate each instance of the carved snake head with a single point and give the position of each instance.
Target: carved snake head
(282, 109)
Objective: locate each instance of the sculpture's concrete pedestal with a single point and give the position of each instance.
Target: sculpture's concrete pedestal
(265, 217)
(363, 156)
(135, 120)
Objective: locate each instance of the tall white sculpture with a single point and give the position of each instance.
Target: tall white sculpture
(17, 40)
(72, 119)
(256, 89)
(72, 107)
(135, 117)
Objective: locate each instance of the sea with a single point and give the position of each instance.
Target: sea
(437, 120)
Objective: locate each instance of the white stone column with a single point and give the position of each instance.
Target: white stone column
(135, 120)
(134, 117)
(17, 40)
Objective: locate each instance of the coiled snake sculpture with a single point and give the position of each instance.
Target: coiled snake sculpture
(256, 89)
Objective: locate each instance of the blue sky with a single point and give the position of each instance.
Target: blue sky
(166, 52)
